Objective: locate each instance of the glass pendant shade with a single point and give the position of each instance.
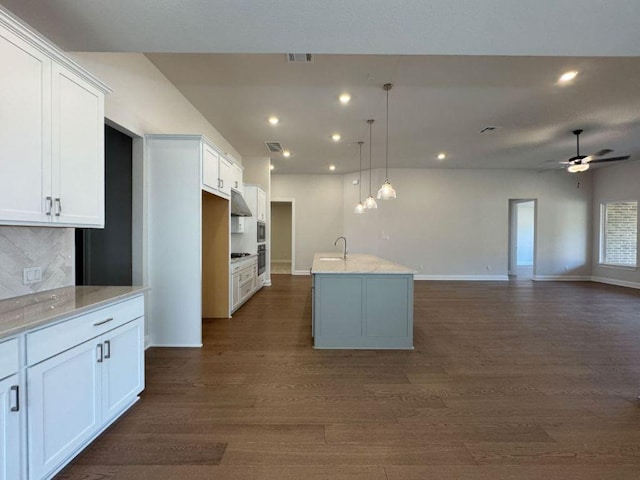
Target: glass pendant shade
(580, 167)
(370, 202)
(386, 192)
(359, 208)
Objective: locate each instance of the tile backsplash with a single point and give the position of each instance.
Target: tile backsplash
(52, 249)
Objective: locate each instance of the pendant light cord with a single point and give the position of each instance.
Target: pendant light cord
(386, 155)
(370, 122)
(360, 179)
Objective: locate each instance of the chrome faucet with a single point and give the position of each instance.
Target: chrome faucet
(344, 255)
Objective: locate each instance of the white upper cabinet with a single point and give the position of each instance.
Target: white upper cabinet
(51, 134)
(262, 206)
(78, 150)
(25, 136)
(210, 169)
(218, 172)
(236, 178)
(226, 176)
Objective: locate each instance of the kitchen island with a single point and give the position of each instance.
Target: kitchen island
(361, 302)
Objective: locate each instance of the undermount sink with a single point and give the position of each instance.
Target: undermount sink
(331, 258)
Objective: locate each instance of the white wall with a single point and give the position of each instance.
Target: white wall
(614, 183)
(144, 101)
(319, 213)
(280, 232)
(446, 223)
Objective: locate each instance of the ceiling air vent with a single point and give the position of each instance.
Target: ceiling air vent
(299, 58)
(275, 147)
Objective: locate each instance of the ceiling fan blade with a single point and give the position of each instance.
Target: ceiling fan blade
(611, 159)
(603, 152)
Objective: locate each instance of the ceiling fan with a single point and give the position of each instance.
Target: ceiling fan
(580, 163)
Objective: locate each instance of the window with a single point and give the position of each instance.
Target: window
(619, 233)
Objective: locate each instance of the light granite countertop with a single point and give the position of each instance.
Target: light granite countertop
(357, 263)
(22, 313)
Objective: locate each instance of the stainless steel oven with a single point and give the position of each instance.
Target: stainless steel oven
(262, 232)
(262, 258)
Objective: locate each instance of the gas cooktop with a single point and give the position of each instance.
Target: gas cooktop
(239, 254)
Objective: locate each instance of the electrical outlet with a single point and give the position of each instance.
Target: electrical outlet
(31, 275)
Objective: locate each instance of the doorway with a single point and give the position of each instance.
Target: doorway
(282, 236)
(104, 256)
(522, 238)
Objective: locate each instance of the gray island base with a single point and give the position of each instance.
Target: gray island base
(361, 302)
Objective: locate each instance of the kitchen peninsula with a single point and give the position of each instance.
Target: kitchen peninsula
(361, 302)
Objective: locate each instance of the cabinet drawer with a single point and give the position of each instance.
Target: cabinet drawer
(52, 340)
(246, 275)
(245, 290)
(8, 358)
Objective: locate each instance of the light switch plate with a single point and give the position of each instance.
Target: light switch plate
(31, 275)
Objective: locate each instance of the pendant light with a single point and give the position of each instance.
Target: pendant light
(387, 192)
(370, 202)
(360, 205)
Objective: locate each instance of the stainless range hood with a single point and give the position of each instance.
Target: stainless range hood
(239, 207)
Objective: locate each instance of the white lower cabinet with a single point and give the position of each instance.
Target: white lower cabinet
(10, 438)
(75, 394)
(64, 407)
(244, 280)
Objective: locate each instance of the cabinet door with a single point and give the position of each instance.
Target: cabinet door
(77, 150)
(237, 178)
(235, 290)
(64, 408)
(226, 176)
(262, 205)
(210, 168)
(10, 438)
(25, 136)
(123, 367)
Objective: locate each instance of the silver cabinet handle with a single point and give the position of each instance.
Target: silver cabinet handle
(49, 206)
(16, 388)
(97, 324)
(59, 206)
(107, 346)
(100, 357)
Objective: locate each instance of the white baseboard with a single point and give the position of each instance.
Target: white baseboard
(177, 345)
(613, 281)
(561, 278)
(301, 272)
(463, 278)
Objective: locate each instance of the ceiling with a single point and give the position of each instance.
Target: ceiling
(451, 78)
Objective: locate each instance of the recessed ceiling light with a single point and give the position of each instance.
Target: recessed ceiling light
(568, 76)
(344, 98)
(336, 137)
(332, 167)
(271, 167)
(442, 156)
(273, 120)
(286, 154)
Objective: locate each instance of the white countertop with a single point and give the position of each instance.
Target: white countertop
(357, 263)
(22, 313)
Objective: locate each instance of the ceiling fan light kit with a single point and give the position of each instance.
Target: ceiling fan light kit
(387, 192)
(580, 163)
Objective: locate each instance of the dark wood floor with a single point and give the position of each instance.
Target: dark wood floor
(515, 380)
